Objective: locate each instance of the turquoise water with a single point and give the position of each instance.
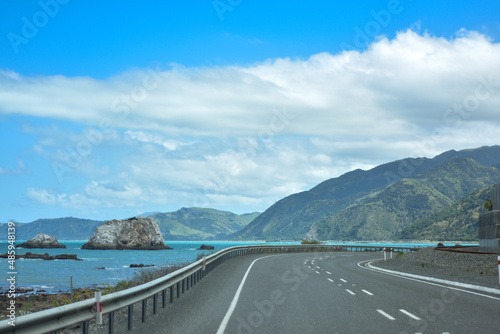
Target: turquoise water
(53, 276)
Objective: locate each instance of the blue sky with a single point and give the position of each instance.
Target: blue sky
(108, 110)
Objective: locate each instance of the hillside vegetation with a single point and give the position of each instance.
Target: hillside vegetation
(458, 221)
(199, 224)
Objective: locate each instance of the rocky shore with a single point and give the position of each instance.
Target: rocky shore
(476, 269)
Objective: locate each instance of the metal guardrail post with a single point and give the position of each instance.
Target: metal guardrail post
(130, 316)
(85, 327)
(144, 306)
(111, 322)
(155, 301)
(164, 298)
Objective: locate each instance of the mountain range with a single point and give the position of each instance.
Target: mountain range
(183, 224)
(380, 203)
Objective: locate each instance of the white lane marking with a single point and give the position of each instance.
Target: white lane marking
(367, 292)
(329, 273)
(330, 280)
(318, 267)
(385, 314)
(429, 280)
(409, 314)
(230, 311)
(343, 280)
(353, 284)
(317, 272)
(339, 284)
(352, 293)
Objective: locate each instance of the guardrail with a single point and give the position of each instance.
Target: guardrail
(174, 284)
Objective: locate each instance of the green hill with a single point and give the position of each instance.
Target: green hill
(377, 204)
(458, 221)
(249, 217)
(199, 224)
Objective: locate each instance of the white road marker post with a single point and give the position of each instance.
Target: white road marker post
(204, 263)
(390, 250)
(385, 255)
(98, 308)
(499, 269)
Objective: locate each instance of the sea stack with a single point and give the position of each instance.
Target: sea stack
(489, 224)
(42, 240)
(133, 233)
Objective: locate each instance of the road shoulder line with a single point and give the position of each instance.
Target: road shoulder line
(436, 280)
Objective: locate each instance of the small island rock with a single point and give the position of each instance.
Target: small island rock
(42, 240)
(206, 247)
(133, 233)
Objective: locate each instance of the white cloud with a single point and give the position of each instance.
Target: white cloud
(142, 136)
(410, 80)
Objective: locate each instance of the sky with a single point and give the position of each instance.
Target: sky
(111, 109)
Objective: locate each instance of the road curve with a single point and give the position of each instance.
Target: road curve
(322, 293)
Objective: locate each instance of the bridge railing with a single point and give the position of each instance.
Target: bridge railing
(173, 285)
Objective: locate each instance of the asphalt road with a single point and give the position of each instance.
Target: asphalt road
(322, 293)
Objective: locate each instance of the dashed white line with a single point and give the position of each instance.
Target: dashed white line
(329, 273)
(352, 293)
(367, 292)
(330, 280)
(317, 272)
(343, 280)
(385, 314)
(409, 314)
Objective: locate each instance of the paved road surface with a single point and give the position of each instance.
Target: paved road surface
(322, 293)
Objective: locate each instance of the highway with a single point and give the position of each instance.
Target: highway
(322, 293)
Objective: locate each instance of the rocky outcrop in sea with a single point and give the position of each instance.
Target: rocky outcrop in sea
(133, 233)
(42, 240)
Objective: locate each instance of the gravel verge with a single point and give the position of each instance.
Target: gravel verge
(476, 269)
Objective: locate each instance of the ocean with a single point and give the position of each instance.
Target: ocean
(54, 276)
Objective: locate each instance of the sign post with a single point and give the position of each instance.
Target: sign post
(98, 308)
(499, 269)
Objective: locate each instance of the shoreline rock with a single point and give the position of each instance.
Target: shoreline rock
(206, 247)
(45, 256)
(133, 233)
(42, 240)
(134, 265)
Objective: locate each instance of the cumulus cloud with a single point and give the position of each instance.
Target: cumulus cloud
(405, 82)
(253, 134)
